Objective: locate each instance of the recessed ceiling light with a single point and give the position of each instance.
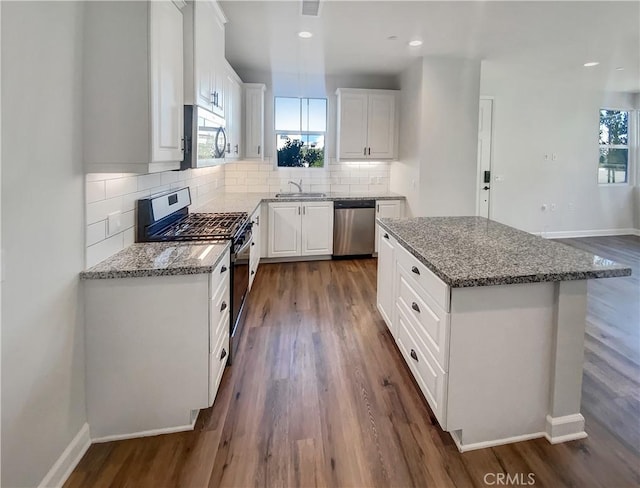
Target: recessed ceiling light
(591, 63)
(305, 34)
(620, 68)
(415, 43)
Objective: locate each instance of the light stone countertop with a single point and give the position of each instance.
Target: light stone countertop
(474, 251)
(159, 259)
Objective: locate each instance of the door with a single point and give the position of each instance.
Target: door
(254, 122)
(233, 116)
(353, 126)
(284, 229)
(387, 209)
(386, 261)
(317, 228)
(381, 126)
(166, 71)
(483, 206)
(219, 74)
(204, 39)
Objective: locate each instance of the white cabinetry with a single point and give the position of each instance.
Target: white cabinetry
(254, 120)
(386, 279)
(367, 124)
(133, 86)
(256, 248)
(300, 229)
(388, 209)
(233, 115)
(205, 66)
(144, 354)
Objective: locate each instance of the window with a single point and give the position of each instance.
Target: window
(300, 126)
(614, 146)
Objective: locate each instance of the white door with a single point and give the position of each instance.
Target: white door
(317, 228)
(353, 126)
(385, 278)
(204, 38)
(483, 207)
(219, 74)
(284, 229)
(381, 126)
(387, 209)
(236, 109)
(166, 71)
(254, 123)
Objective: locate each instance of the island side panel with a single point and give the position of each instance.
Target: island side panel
(500, 363)
(147, 350)
(564, 421)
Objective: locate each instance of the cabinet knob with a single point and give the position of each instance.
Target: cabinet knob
(223, 354)
(369, 151)
(223, 306)
(414, 355)
(258, 150)
(364, 151)
(414, 306)
(253, 243)
(223, 269)
(386, 236)
(236, 149)
(253, 271)
(415, 270)
(228, 148)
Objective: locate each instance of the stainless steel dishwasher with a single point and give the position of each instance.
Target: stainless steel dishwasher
(354, 227)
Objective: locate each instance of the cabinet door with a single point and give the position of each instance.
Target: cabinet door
(166, 73)
(352, 131)
(317, 228)
(233, 117)
(255, 251)
(219, 74)
(386, 278)
(254, 122)
(284, 229)
(204, 40)
(388, 209)
(381, 124)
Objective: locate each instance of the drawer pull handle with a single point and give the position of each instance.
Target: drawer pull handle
(253, 272)
(223, 354)
(386, 236)
(414, 306)
(223, 269)
(415, 270)
(253, 243)
(223, 307)
(414, 355)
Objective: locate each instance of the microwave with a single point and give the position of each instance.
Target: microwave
(205, 139)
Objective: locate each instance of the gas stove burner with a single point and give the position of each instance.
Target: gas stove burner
(205, 226)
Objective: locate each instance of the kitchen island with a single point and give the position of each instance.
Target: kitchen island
(491, 323)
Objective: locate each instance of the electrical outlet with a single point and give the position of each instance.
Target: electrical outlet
(114, 223)
(553, 207)
(543, 207)
(554, 157)
(546, 157)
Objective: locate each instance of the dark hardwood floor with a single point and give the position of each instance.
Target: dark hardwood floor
(320, 396)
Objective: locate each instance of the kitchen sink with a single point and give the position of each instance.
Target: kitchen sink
(301, 195)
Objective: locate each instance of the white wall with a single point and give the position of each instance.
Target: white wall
(439, 136)
(533, 116)
(338, 177)
(43, 405)
(112, 192)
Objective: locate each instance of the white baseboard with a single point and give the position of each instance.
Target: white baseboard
(497, 442)
(566, 428)
(565, 234)
(146, 433)
(295, 259)
(66, 463)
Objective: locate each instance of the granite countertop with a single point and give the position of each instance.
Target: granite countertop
(474, 251)
(159, 259)
(249, 202)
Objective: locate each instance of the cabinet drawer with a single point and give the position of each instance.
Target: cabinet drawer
(219, 304)
(217, 361)
(428, 374)
(431, 322)
(425, 278)
(219, 276)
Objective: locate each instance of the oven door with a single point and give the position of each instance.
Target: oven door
(240, 285)
(211, 139)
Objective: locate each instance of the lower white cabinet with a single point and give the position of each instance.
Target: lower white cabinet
(256, 248)
(386, 278)
(156, 349)
(388, 209)
(300, 229)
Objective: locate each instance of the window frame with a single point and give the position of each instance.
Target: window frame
(276, 134)
(631, 147)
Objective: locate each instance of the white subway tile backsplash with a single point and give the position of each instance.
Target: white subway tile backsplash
(95, 191)
(146, 182)
(104, 249)
(96, 232)
(97, 211)
(121, 186)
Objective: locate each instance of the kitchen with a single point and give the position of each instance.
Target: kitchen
(327, 357)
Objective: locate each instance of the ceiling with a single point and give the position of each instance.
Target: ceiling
(352, 37)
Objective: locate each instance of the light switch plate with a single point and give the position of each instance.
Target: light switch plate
(114, 223)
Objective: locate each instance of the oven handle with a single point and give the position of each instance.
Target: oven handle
(244, 246)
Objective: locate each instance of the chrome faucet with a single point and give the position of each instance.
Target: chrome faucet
(299, 185)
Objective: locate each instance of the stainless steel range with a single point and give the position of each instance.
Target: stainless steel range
(166, 217)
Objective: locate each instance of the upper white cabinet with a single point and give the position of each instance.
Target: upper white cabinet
(233, 115)
(205, 65)
(367, 124)
(387, 209)
(300, 229)
(254, 120)
(133, 86)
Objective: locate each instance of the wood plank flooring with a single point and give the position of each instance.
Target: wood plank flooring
(320, 396)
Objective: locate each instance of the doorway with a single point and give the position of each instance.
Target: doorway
(483, 192)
